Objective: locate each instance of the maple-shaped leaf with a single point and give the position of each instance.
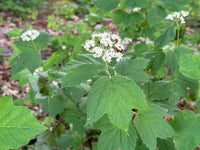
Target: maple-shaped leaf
(187, 126)
(150, 124)
(133, 69)
(116, 97)
(17, 125)
(81, 70)
(112, 138)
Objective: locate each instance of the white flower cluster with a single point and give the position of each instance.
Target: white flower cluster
(178, 16)
(30, 35)
(105, 45)
(136, 9)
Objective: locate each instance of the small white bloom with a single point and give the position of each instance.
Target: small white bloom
(107, 57)
(170, 17)
(30, 35)
(119, 56)
(126, 41)
(106, 42)
(98, 51)
(136, 9)
(86, 46)
(182, 20)
(63, 47)
(184, 13)
(178, 16)
(116, 38)
(106, 35)
(89, 44)
(119, 46)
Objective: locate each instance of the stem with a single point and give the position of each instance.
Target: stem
(177, 43)
(199, 89)
(61, 92)
(49, 109)
(107, 71)
(34, 45)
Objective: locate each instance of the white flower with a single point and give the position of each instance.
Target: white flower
(119, 56)
(30, 35)
(106, 42)
(184, 13)
(182, 20)
(89, 44)
(98, 51)
(105, 45)
(116, 38)
(136, 9)
(107, 57)
(170, 17)
(106, 35)
(63, 47)
(119, 46)
(178, 16)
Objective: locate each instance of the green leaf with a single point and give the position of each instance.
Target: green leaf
(51, 61)
(56, 103)
(148, 32)
(155, 15)
(42, 40)
(119, 16)
(116, 97)
(137, 3)
(77, 118)
(133, 69)
(174, 5)
(167, 105)
(107, 5)
(186, 125)
(17, 125)
(15, 32)
(190, 66)
(31, 59)
(165, 144)
(157, 90)
(156, 62)
(23, 77)
(46, 141)
(69, 139)
(112, 138)
(150, 124)
(81, 70)
(168, 36)
(172, 59)
(135, 19)
(140, 49)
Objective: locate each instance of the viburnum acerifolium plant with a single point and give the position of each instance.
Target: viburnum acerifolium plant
(106, 45)
(178, 18)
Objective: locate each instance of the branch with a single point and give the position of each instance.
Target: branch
(61, 92)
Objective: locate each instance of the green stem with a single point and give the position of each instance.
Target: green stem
(177, 43)
(107, 71)
(199, 89)
(34, 45)
(49, 109)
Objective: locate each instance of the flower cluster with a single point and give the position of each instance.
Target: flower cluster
(136, 9)
(30, 35)
(178, 16)
(105, 45)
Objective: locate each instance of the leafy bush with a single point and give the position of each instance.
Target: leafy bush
(109, 103)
